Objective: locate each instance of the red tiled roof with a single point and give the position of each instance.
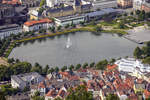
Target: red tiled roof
(13, 2)
(31, 23)
(74, 78)
(146, 93)
(65, 74)
(62, 93)
(51, 93)
(111, 67)
(132, 97)
(41, 85)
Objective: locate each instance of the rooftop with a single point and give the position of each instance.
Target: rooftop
(69, 17)
(31, 23)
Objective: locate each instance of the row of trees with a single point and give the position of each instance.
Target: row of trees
(142, 15)
(4, 43)
(16, 67)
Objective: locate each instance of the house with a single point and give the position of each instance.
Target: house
(53, 3)
(25, 80)
(37, 24)
(51, 95)
(7, 30)
(146, 93)
(137, 4)
(19, 96)
(14, 15)
(125, 3)
(75, 19)
(139, 86)
(34, 15)
(146, 6)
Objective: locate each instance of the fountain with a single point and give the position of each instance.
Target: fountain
(68, 44)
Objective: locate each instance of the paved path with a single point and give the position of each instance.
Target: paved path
(138, 34)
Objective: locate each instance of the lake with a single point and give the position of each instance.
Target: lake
(76, 48)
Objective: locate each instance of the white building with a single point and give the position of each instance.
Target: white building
(137, 4)
(7, 30)
(75, 19)
(23, 80)
(132, 65)
(37, 24)
(52, 3)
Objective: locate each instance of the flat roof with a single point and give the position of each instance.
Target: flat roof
(69, 17)
(101, 12)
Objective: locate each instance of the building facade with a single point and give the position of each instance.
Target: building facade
(63, 21)
(137, 4)
(7, 30)
(25, 80)
(124, 3)
(37, 24)
(146, 7)
(57, 12)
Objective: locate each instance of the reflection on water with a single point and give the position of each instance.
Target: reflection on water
(85, 47)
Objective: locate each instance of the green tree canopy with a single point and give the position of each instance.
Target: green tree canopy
(112, 97)
(42, 3)
(138, 53)
(102, 64)
(80, 93)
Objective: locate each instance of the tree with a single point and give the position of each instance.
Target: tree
(112, 97)
(112, 61)
(2, 96)
(11, 60)
(51, 70)
(146, 60)
(146, 51)
(59, 27)
(137, 12)
(67, 26)
(64, 68)
(21, 67)
(138, 53)
(78, 66)
(92, 64)
(56, 69)
(131, 13)
(37, 68)
(42, 3)
(82, 23)
(102, 64)
(148, 44)
(71, 67)
(58, 98)
(80, 93)
(52, 29)
(37, 96)
(45, 70)
(98, 28)
(121, 25)
(85, 65)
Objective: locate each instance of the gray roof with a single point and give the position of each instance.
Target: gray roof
(69, 17)
(86, 6)
(8, 26)
(25, 77)
(101, 12)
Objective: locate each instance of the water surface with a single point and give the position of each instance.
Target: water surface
(85, 47)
